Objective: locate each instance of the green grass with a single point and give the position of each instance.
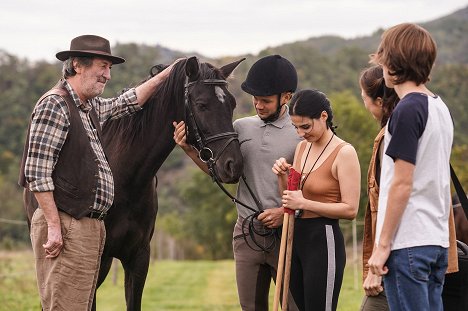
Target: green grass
(170, 285)
(18, 290)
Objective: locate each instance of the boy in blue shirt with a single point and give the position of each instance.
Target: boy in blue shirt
(412, 234)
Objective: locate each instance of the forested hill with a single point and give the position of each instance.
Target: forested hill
(333, 64)
(448, 31)
(329, 63)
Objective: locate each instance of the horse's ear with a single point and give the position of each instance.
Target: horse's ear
(192, 68)
(226, 70)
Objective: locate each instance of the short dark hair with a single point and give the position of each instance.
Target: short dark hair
(408, 51)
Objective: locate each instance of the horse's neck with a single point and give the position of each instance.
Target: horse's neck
(143, 157)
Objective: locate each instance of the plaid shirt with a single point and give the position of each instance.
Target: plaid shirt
(49, 129)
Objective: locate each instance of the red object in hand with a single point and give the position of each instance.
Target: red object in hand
(294, 178)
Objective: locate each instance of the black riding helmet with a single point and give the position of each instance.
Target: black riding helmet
(270, 75)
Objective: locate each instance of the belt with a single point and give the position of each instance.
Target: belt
(99, 215)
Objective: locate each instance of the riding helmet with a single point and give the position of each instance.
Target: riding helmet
(270, 75)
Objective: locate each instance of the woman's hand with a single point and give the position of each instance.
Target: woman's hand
(293, 199)
(281, 167)
(372, 284)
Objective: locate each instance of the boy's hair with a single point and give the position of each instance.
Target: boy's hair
(408, 51)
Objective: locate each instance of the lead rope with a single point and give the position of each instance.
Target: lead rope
(248, 222)
(264, 232)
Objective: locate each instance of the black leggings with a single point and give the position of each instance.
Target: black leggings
(318, 262)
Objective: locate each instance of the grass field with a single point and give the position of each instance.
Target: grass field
(171, 285)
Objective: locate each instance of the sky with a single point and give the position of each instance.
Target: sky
(38, 29)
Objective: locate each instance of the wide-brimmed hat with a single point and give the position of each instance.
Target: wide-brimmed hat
(90, 45)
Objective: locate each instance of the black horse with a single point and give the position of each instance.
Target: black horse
(137, 146)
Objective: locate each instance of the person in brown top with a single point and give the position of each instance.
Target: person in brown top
(380, 101)
(329, 191)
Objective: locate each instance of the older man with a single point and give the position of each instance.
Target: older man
(65, 167)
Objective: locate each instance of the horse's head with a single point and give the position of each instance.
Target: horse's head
(208, 116)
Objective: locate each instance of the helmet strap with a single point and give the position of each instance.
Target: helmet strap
(276, 115)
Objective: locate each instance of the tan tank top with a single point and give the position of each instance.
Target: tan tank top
(321, 186)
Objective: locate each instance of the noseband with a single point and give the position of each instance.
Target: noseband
(201, 142)
(206, 155)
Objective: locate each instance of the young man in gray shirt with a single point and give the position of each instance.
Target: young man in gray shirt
(264, 137)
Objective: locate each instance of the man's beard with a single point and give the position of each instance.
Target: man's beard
(274, 116)
(92, 89)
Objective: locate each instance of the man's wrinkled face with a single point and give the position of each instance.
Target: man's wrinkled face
(94, 78)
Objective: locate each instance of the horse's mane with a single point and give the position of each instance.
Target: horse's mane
(163, 107)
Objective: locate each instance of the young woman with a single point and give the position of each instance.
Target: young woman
(379, 100)
(329, 191)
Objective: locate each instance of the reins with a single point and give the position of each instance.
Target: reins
(207, 156)
(201, 142)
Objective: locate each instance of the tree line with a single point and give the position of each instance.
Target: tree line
(192, 211)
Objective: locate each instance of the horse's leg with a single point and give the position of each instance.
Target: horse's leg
(106, 263)
(136, 270)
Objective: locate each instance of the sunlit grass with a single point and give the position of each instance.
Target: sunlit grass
(170, 285)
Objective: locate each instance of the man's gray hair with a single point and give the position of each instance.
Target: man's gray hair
(69, 71)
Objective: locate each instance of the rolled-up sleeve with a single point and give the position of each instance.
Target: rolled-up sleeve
(49, 129)
(116, 107)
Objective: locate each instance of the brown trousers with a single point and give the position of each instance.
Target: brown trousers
(68, 281)
(254, 271)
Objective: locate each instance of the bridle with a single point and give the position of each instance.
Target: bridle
(201, 141)
(207, 156)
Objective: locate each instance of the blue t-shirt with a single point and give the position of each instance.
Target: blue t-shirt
(406, 125)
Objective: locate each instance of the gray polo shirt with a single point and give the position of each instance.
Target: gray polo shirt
(262, 144)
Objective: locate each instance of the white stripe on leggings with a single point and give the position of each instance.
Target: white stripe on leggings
(331, 270)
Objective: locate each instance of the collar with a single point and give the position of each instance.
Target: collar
(85, 107)
(281, 121)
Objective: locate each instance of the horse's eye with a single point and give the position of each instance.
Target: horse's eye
(202, 105)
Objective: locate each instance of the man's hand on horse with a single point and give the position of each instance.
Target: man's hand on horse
(180, 136)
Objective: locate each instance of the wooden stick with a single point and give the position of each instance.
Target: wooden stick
(279, 272)
(287, 268)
